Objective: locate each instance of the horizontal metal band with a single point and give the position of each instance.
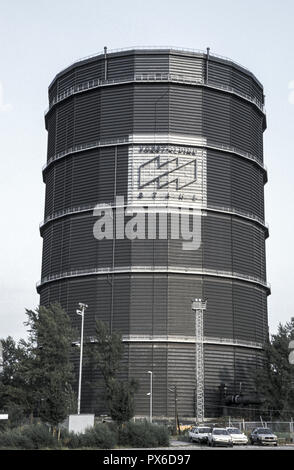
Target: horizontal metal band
(223, 210)
(190, 340)
(164, 49)
(153, 270)
(172, 139)
(149, 78)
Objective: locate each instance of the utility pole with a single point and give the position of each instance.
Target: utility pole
(199, 306)
(81, 312)
(175, 391)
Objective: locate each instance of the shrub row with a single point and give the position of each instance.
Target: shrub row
(28, 437)
(102, 436)
(143, 435)
(99, 437)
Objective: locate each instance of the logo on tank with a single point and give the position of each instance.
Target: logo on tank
(163, 171)
(167, 174)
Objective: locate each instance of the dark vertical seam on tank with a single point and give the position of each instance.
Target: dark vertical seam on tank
(203, 216)
(54, 168)
(59, 292)
(232, 244)
(98, 157)
(67, 107)
(74, 156)
(49, 265)
(153, 241)
(62, 244)
(69, 242)
(72, 183)
(64, 205)
(264, 300)
(113, 238)
(66, 296)
(56, 121)
(169, 97)
(202, 247)
(74, 103)
(131, 277)
(131, 156)
(167, 276)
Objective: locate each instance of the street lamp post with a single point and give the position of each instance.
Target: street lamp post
(81, 312)
(150, 394)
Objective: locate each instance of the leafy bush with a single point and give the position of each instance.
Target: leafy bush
(71, 440)
(100, 436)
(14, 439)
(143, 435)
(162, 435)
(40, 436)
(28, 437)
(16, 415)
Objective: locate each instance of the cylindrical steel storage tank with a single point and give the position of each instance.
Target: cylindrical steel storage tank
(178, 130)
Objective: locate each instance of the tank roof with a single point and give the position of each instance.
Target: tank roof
(155, 50)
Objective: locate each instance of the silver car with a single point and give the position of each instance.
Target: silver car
(220, 437)
(237, 436)
(263, 436)
(199, 434)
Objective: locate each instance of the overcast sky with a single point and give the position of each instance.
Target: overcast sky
(38, 38)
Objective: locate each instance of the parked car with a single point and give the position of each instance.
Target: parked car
(219, 437)
(199, 434)
(237, 436)
(263, 436)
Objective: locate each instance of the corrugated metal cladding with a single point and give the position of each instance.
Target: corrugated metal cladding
(102, 112)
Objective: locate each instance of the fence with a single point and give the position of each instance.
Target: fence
(283, 429)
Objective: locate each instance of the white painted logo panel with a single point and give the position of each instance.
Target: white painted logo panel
(167, 174)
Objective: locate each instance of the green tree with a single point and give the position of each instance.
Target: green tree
(121, 402)
(275, 381)
(106, 354)
(50, 374)
(16, 396)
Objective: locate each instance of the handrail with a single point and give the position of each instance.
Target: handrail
(238, 212)
(182, 339)
(152, 269)
(67, 211)
(90, 207)
(130, 139)
(239, 342)
(188, 339)
(163, 48)
(86, 146)
(151, 77)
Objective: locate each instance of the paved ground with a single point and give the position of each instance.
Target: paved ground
(181, 445)
(184, 446)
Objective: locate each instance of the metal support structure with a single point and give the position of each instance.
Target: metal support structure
(150, 395)
(207, 62)
(105, 63)
(198, 306)
(81, 312)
